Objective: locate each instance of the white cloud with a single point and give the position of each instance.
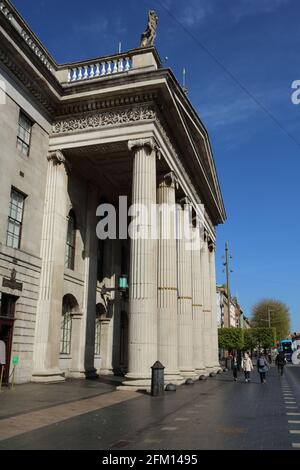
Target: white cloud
(242, 8)
(196, 11)
(228, 113)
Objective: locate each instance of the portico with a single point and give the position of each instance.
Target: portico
(123, 127)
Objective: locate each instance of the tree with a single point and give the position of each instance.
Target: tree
(231, 338)
(275, 311)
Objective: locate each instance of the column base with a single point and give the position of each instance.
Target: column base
(188, 374)
(210, 369)
(174, 378)
(202, 372)
(83, 374)
(136, 385)
(106, 372)
(48, 376)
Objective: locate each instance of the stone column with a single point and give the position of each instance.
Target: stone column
(167, 280)
(83, 351)
(184, 305)
(214, 321)
(142, 347)
(108, 324)
(53, 245)
(207, 315)
(197, 303)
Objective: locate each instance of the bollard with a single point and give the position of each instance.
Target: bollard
(157, 380)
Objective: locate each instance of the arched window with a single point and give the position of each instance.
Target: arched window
(71, 239)
(69, 305)
(100, 312)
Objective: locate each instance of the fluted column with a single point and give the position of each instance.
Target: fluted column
(184, 282)
(214, 323)
(142, 347)
(207, 314)
(167, 280)
(49, 307)
(83, 351)
(197, 303)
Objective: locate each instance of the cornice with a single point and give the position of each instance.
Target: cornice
(13, 18)
(26, 81)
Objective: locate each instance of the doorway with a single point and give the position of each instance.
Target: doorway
(7, 318)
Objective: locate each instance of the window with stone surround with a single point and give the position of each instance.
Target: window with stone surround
(71, 241)
(98, 336)
(24, 133)
(15, 219)
(66, 327)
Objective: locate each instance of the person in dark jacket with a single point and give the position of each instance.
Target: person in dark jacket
(280, 361)
(234, 366)
(262, 367)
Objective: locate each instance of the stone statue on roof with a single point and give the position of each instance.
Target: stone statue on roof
(148, 37)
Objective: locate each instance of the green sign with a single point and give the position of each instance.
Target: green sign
(15, 360)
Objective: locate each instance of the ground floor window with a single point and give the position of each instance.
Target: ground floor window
(66, 325)
(98, 336)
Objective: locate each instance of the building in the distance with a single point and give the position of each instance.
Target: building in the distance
(75, 136)
(237, 316)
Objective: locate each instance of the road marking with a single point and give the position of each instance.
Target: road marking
(181, 419)
(296, 445)
(295, 421)
(291, 407)
(168, 429)
(294, 431)
(293, 414)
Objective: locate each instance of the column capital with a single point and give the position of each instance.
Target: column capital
(170, 179)
(146, 142)
(57, 157)
(185, 201)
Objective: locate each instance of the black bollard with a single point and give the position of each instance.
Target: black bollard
(157, 380)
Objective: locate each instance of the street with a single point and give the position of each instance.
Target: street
(212, 414)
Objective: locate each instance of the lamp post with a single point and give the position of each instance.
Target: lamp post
(228, 271)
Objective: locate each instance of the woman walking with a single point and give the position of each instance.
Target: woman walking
(262, 367)
(247, 366)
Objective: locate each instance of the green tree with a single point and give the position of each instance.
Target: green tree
(275, 311)
(231, 338)
(249, 340)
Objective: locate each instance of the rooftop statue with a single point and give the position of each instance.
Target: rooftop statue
(148, 37)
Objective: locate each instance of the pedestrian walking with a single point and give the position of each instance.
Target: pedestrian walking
(247, 366)
(262, 367)
(235, 366)
(280, 361)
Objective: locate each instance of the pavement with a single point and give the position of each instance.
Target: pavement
(213, 414)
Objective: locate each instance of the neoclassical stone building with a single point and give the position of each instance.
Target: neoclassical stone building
(73, 137)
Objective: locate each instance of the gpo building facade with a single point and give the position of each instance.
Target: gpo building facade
(75, 137)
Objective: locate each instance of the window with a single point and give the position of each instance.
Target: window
(24, 134)
(71, 238)
(7, 305)
(98, 336)
(15, 218)
(66, 328)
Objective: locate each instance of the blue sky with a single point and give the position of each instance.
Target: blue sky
(258, 43)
